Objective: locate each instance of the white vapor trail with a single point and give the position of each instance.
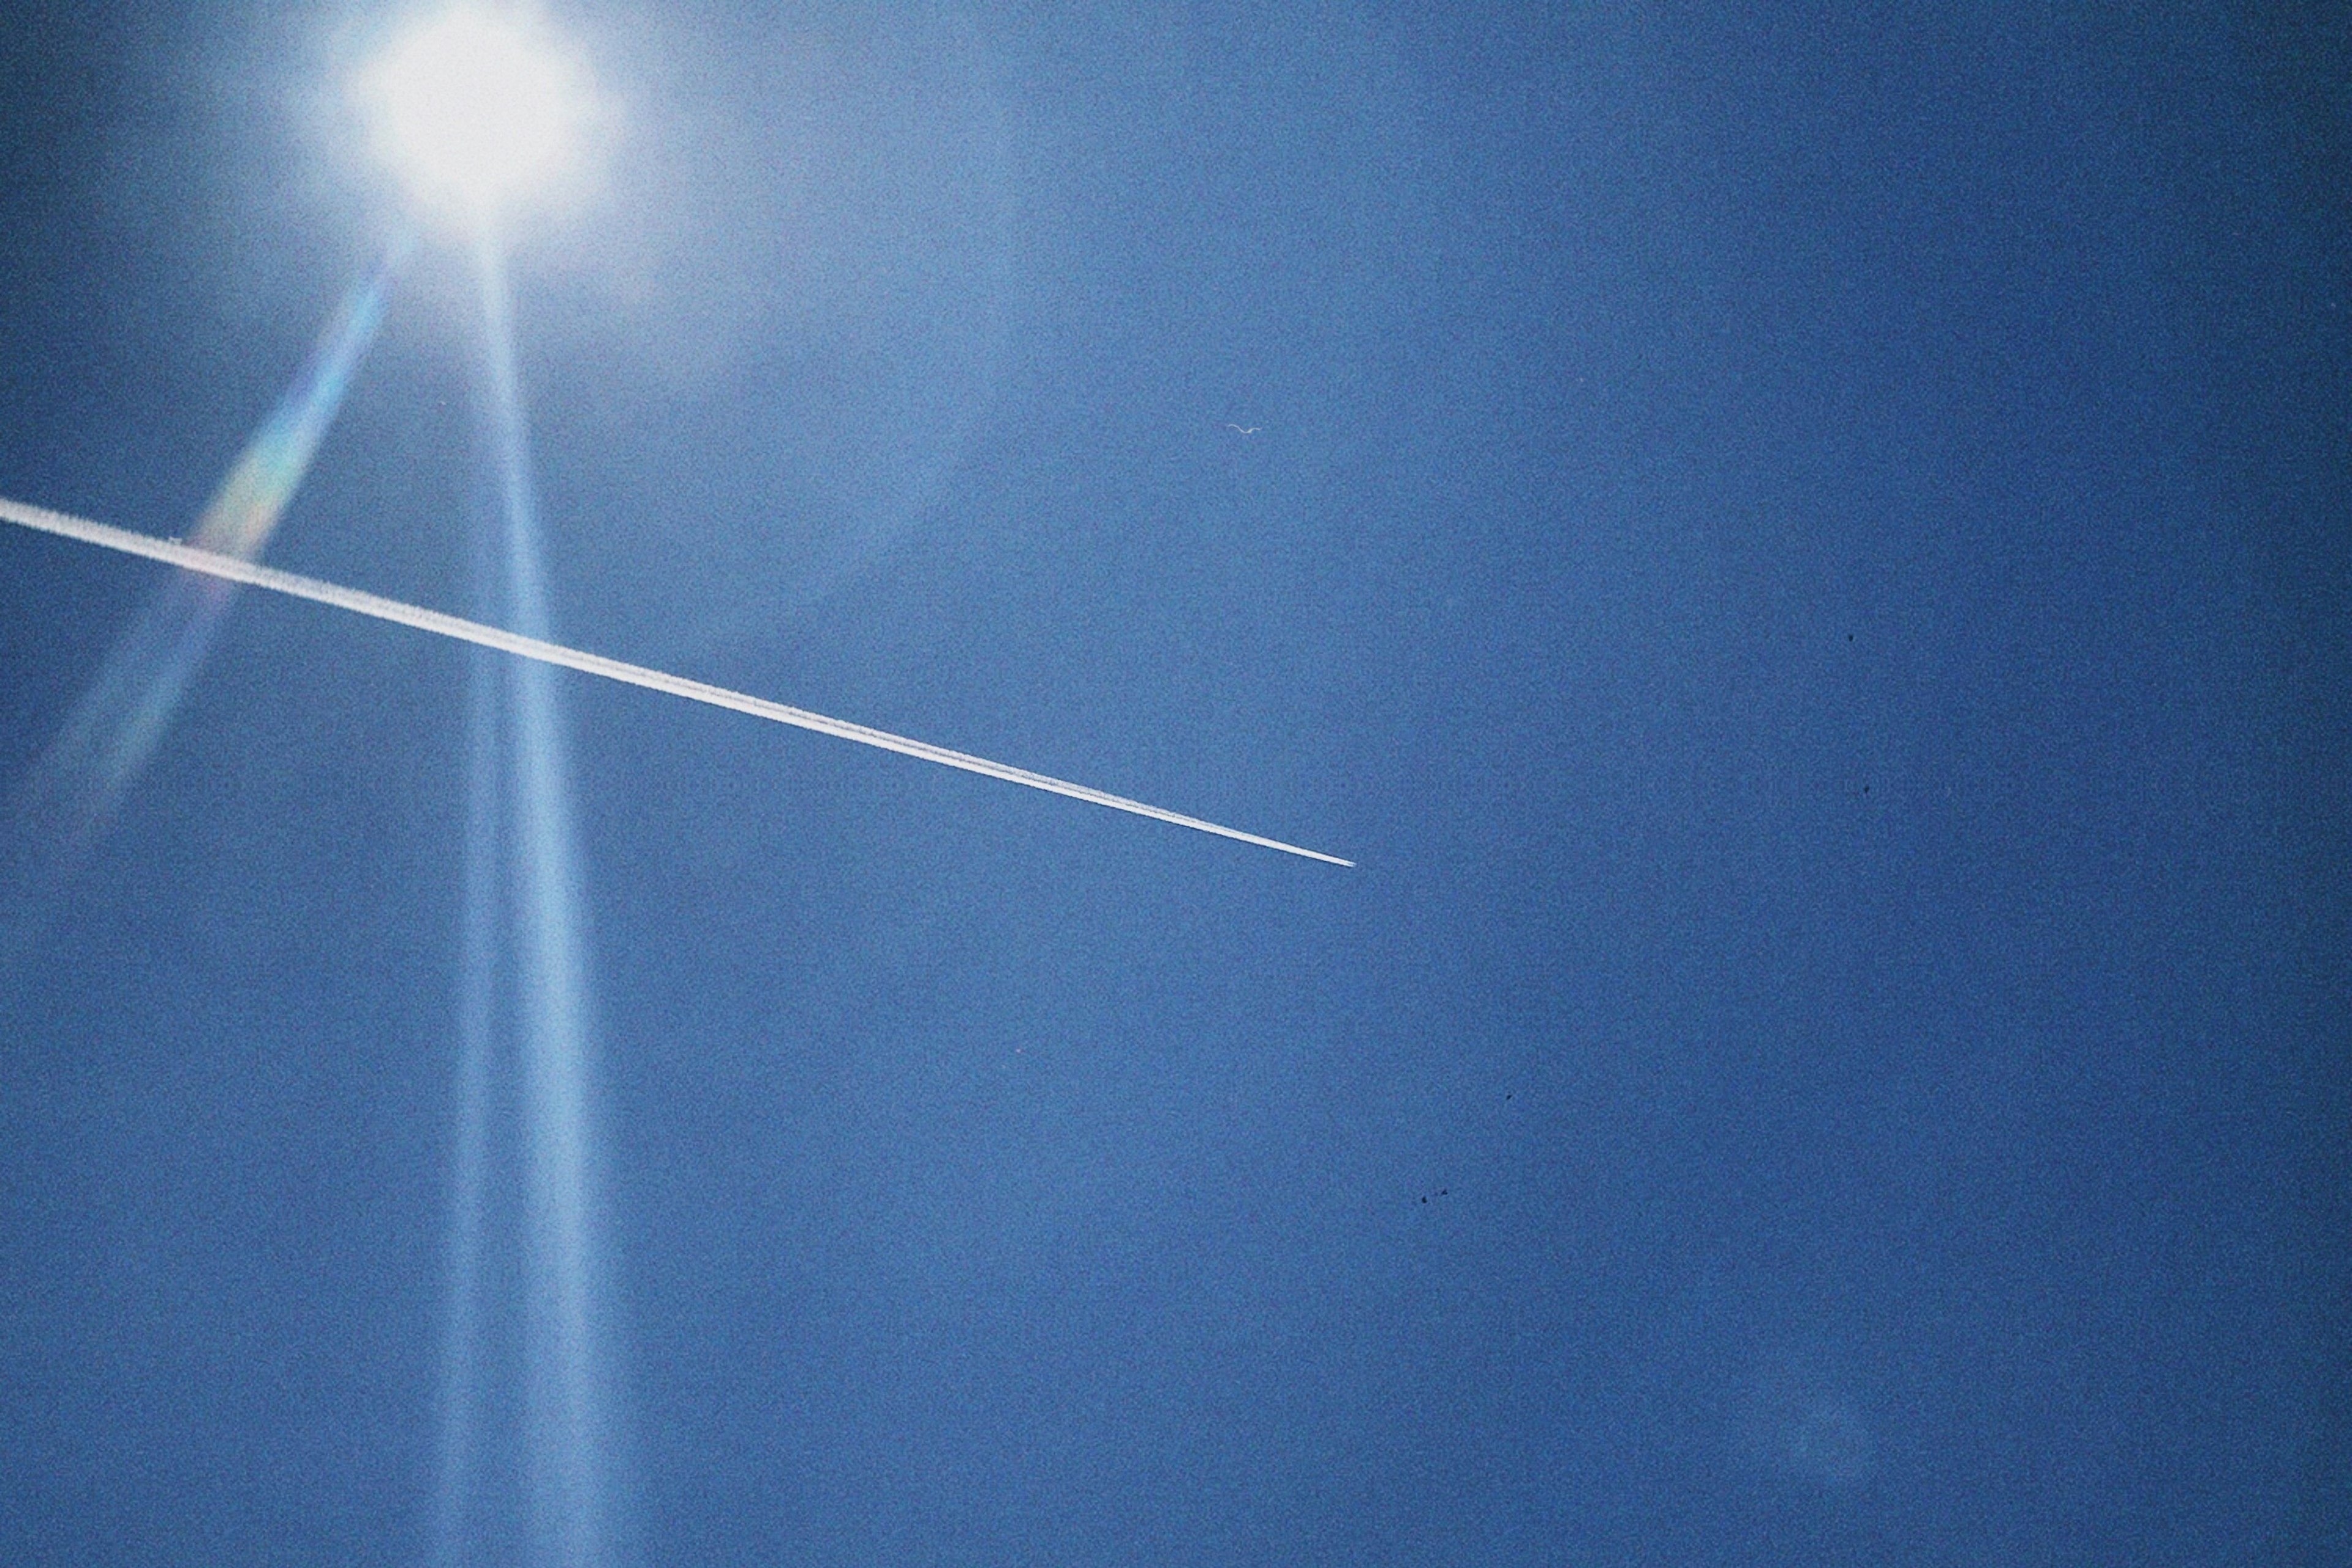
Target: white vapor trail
(253, 574)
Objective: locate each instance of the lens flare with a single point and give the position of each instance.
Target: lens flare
(459, 1484)
(69, 794)
(564, 1395)
(474, 108)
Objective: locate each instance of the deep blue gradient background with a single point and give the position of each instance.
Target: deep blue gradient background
(1804, 548)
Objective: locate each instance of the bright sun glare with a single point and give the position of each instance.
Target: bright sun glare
(473, 110)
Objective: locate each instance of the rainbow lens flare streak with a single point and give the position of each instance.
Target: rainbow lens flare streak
(69, 794)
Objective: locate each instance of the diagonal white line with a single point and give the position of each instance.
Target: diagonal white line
(253, 574)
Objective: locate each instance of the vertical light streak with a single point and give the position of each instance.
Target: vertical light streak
(561, 1399)
(478, 981)
(69, 794)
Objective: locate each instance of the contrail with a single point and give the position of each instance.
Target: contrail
(253, 574)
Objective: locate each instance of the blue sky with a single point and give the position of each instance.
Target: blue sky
(1804, 549)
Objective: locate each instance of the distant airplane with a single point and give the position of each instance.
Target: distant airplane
(1250, 430)
(237, 569)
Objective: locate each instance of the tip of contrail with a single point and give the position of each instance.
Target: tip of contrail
(212, 563)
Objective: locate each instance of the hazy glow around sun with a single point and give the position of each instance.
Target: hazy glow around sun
(474, 108)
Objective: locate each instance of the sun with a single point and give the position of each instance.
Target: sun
(475, 110)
